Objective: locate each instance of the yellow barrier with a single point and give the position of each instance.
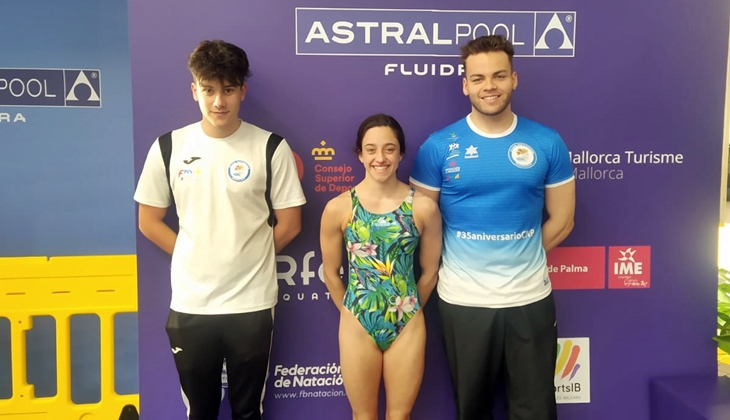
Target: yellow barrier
(61, 287)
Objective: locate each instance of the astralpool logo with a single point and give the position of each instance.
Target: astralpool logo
(50, 88)
(572, 371)
(431, 33)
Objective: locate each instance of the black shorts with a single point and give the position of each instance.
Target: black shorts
(199, 344)
(518, 344)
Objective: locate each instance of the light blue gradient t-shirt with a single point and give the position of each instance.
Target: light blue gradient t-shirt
(492, 195)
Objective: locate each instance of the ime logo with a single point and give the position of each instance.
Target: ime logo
(626, 264)
(630, 267)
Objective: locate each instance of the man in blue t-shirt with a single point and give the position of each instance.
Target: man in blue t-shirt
(493, 173)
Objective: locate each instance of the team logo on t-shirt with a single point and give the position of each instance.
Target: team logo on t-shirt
(239, 170)
(522, 155)
(453, 151)
(471, 152)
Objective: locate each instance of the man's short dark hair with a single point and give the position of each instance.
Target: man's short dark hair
(486, 44)
(220, 61)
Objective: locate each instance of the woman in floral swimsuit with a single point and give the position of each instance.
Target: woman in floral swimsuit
(381, 223)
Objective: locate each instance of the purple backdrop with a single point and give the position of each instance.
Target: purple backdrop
(647, 77)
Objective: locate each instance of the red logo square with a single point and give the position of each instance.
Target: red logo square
(582, 267)
(629, 267)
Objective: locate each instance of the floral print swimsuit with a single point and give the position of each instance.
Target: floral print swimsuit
(381, 290)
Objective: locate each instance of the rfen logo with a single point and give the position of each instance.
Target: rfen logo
(629, 267)
(433, 33)
(50, 88)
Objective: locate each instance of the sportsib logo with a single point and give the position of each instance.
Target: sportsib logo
(572, 371)
(567, 364)
(432, 33)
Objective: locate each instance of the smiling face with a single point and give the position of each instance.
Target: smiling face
(489, 82)
(380, 153)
